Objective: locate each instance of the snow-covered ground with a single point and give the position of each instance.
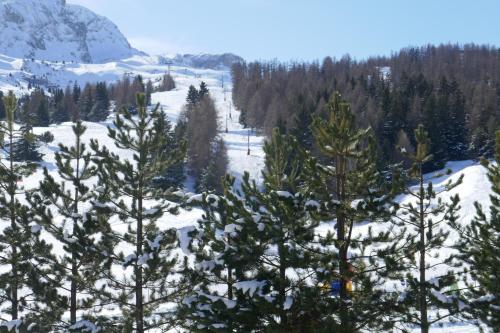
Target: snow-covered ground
(14, 71)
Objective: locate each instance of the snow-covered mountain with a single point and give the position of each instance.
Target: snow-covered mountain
(213, 61)
(54, 30)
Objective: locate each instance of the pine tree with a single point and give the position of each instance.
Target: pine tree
(59, 113)
(192, 96)
(83, 259)
(456, 130)
(149, 91)
(100, 104)
(174, 176)
(258, 245)
(302, 128)
(354, 192)
(479, 248)
(167, 83)
(149, 277)
(203, 91)
(424, 216)
(42, 112)
(25, 298)
(77, 92)
(25, 147)
(86, 102)
(212, 175)
(225, 248)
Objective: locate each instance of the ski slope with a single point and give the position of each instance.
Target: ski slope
(15, 74)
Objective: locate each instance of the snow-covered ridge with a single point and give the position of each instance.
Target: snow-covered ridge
(56, 31)
(213, 61)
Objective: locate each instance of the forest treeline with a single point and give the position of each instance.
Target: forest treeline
(259, 259)
(206, 160)
(206, 153)
(453, 90)
(92, 102)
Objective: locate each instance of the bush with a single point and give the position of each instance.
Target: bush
(46, 137)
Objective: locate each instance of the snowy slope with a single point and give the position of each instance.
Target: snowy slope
(56, 31)
(65, 32)
(51, 43)
(474, 188)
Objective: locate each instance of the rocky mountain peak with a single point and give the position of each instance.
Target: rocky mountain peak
(54, 30)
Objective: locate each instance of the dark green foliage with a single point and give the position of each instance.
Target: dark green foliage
(174, 176)
(42, 113)
(479, 247)
(301, 129)
(452, 90)
(203, 90)
(46, 137)
(354, 192)
(126, 194)
(84, 250)
(192, 96)
(222, 257)
(259, 246)
(206, 152)
(25, 147)
(35, 111)
(100, 107)
(59, 112)
(25, 292)
(423, 218)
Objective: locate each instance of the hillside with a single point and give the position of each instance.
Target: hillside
(56, 31)
(278, 248)
(475, 187)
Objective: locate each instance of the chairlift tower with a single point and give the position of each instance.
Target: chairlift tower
(169, 64)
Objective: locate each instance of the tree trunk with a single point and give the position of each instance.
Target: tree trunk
(424, 328)
(139, 312)
(229, 284)
(343, 250)
(74, 266)
(282, 291)
(12, 192)
(74, 273)
(139, 301)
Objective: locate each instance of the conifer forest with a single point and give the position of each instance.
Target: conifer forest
(213, 193)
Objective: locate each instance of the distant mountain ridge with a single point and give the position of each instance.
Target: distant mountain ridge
(54, 30)
(212, 61)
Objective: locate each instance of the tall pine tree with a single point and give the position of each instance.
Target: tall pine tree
(82, 234)
(173, 176)
(27, 296)
(426, 288)
(354, 193)
(479, 247)
(148, 280)
(257, 266)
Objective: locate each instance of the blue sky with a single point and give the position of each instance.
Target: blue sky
(299, 30)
